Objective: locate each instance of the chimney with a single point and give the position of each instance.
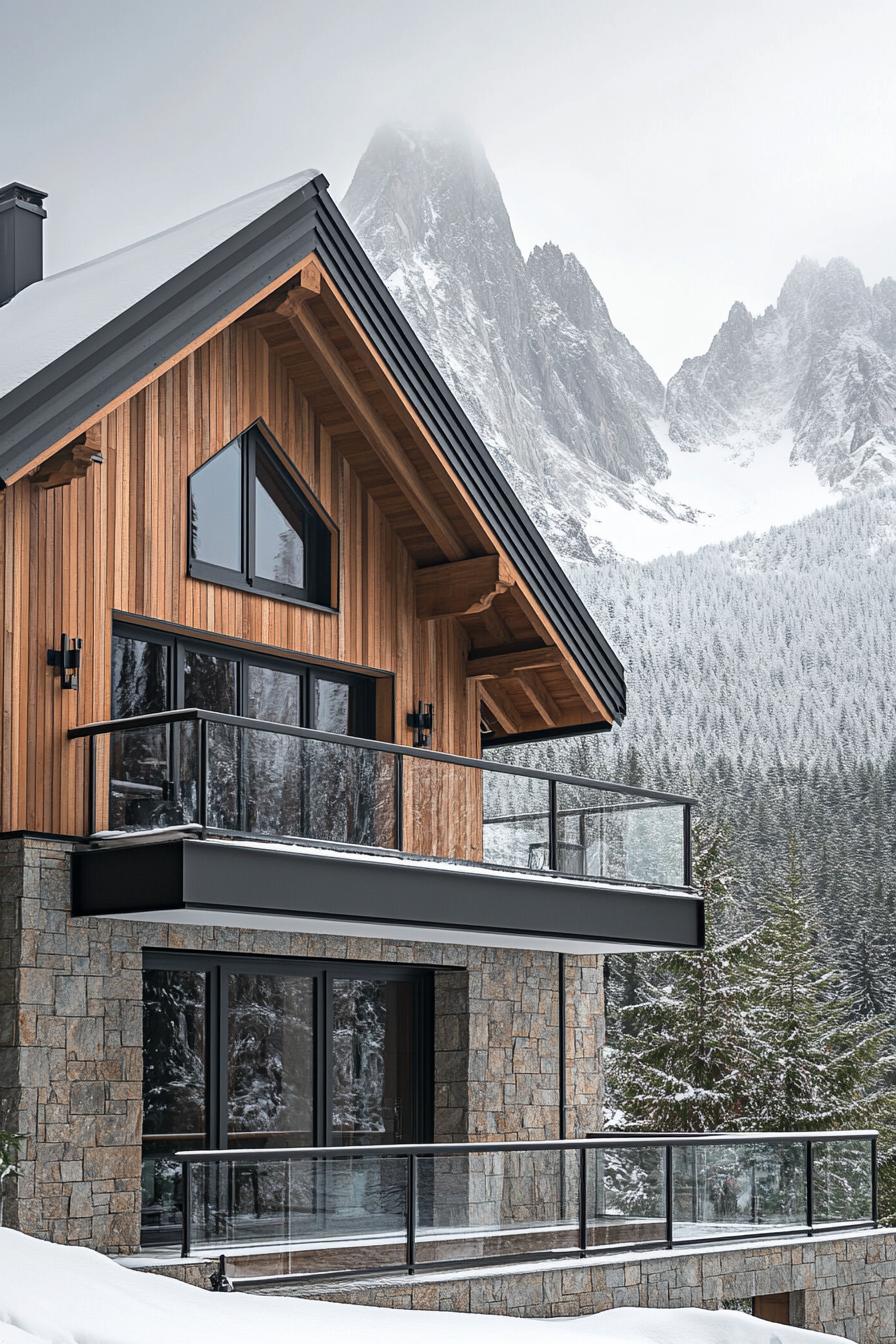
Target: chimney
(21, 238)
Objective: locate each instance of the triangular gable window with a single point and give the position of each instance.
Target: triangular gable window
(252, 525)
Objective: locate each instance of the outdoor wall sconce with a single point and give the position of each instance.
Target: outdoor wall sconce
(421, 722)
(68, 659)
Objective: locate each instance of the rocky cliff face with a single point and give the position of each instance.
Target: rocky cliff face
(819, 367)
(576, 416)
(561, 397)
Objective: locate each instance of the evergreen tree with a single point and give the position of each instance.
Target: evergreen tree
(685, 1059)
(823, 1068)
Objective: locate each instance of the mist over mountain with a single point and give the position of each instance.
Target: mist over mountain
(560, 396)
(783, 413)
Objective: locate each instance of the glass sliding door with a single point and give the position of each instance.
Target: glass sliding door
(373, 1098)
(260, 782)
(254, 1052)
(174, 1089)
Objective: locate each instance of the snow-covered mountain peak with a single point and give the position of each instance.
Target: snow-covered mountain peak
(819, 367)
(783, 409)
(561, 397)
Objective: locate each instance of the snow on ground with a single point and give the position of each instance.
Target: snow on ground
(733, 489)
(67, 1295)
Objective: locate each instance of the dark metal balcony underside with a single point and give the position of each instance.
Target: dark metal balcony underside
(306, 888)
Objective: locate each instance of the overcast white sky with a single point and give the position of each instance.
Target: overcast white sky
(688, 152)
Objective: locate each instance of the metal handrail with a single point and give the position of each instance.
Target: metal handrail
(370, 744)
(667, 1143)
(617, 1139)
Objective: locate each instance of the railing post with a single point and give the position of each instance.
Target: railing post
(91, 785)
(552, 826)
(203, 773)
(874, 1210)
(810, 1187)
(399, 800)
(688, 858)
(411, 1214)
(187, 1169)
(583, 1201)
(669, 1209)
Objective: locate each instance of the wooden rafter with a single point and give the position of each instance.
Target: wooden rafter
(307, 326)
(510, 664)
(540, 696)
(500, 707)
(461, 588)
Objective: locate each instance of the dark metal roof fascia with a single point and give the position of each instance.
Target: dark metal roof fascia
(42, 410)
(46, 407)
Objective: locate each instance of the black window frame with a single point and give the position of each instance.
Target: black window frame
(321, 541)
(363, 713)
(216, 968)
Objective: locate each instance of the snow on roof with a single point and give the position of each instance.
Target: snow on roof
(94, 1301)
(53, 315)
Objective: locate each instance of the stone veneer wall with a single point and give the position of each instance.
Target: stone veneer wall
(842, 1285)
(71, 1042)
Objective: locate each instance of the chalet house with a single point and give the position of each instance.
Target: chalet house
(265, 598)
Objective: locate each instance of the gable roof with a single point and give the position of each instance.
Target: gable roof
(75, 342)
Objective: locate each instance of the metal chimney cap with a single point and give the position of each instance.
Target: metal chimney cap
(29, 198)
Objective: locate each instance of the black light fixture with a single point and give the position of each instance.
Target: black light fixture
(421, 722)
(68, 659)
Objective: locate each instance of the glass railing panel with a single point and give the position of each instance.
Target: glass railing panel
(311, 1214)
(727, 1189)
(516, 821)
(487, 1206)
(841, 1181)
(153, 774)
(626, 1199)
(282, 786)
(619, 836)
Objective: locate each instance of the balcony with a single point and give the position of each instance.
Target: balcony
(304, 1213)
(195, 816)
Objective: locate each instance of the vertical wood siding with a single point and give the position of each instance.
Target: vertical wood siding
(117, 540)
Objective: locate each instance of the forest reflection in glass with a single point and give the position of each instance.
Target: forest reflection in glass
(174, 1088)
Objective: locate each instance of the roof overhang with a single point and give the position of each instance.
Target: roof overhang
(256, 885)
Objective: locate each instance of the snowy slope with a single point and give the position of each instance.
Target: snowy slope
(67, 1295)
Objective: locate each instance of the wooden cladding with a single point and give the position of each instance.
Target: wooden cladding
(115, 540)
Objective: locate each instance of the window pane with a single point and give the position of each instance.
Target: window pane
(270, 1061)
(373, 1061)
(173, 1086)
(139, 676)
(279, 527)
(210, 683)
(215, 509)
(331, 706)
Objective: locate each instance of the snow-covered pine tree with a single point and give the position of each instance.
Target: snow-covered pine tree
(823, 1067)
(686, 1057)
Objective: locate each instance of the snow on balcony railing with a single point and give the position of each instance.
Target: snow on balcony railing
(242, 777)
(318, 1212)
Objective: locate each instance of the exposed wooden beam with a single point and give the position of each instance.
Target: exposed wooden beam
(461, 588)
(384, 443)
(71, 462)
(502, 711)
(540, 696)
(306, 286)
(491, 665)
